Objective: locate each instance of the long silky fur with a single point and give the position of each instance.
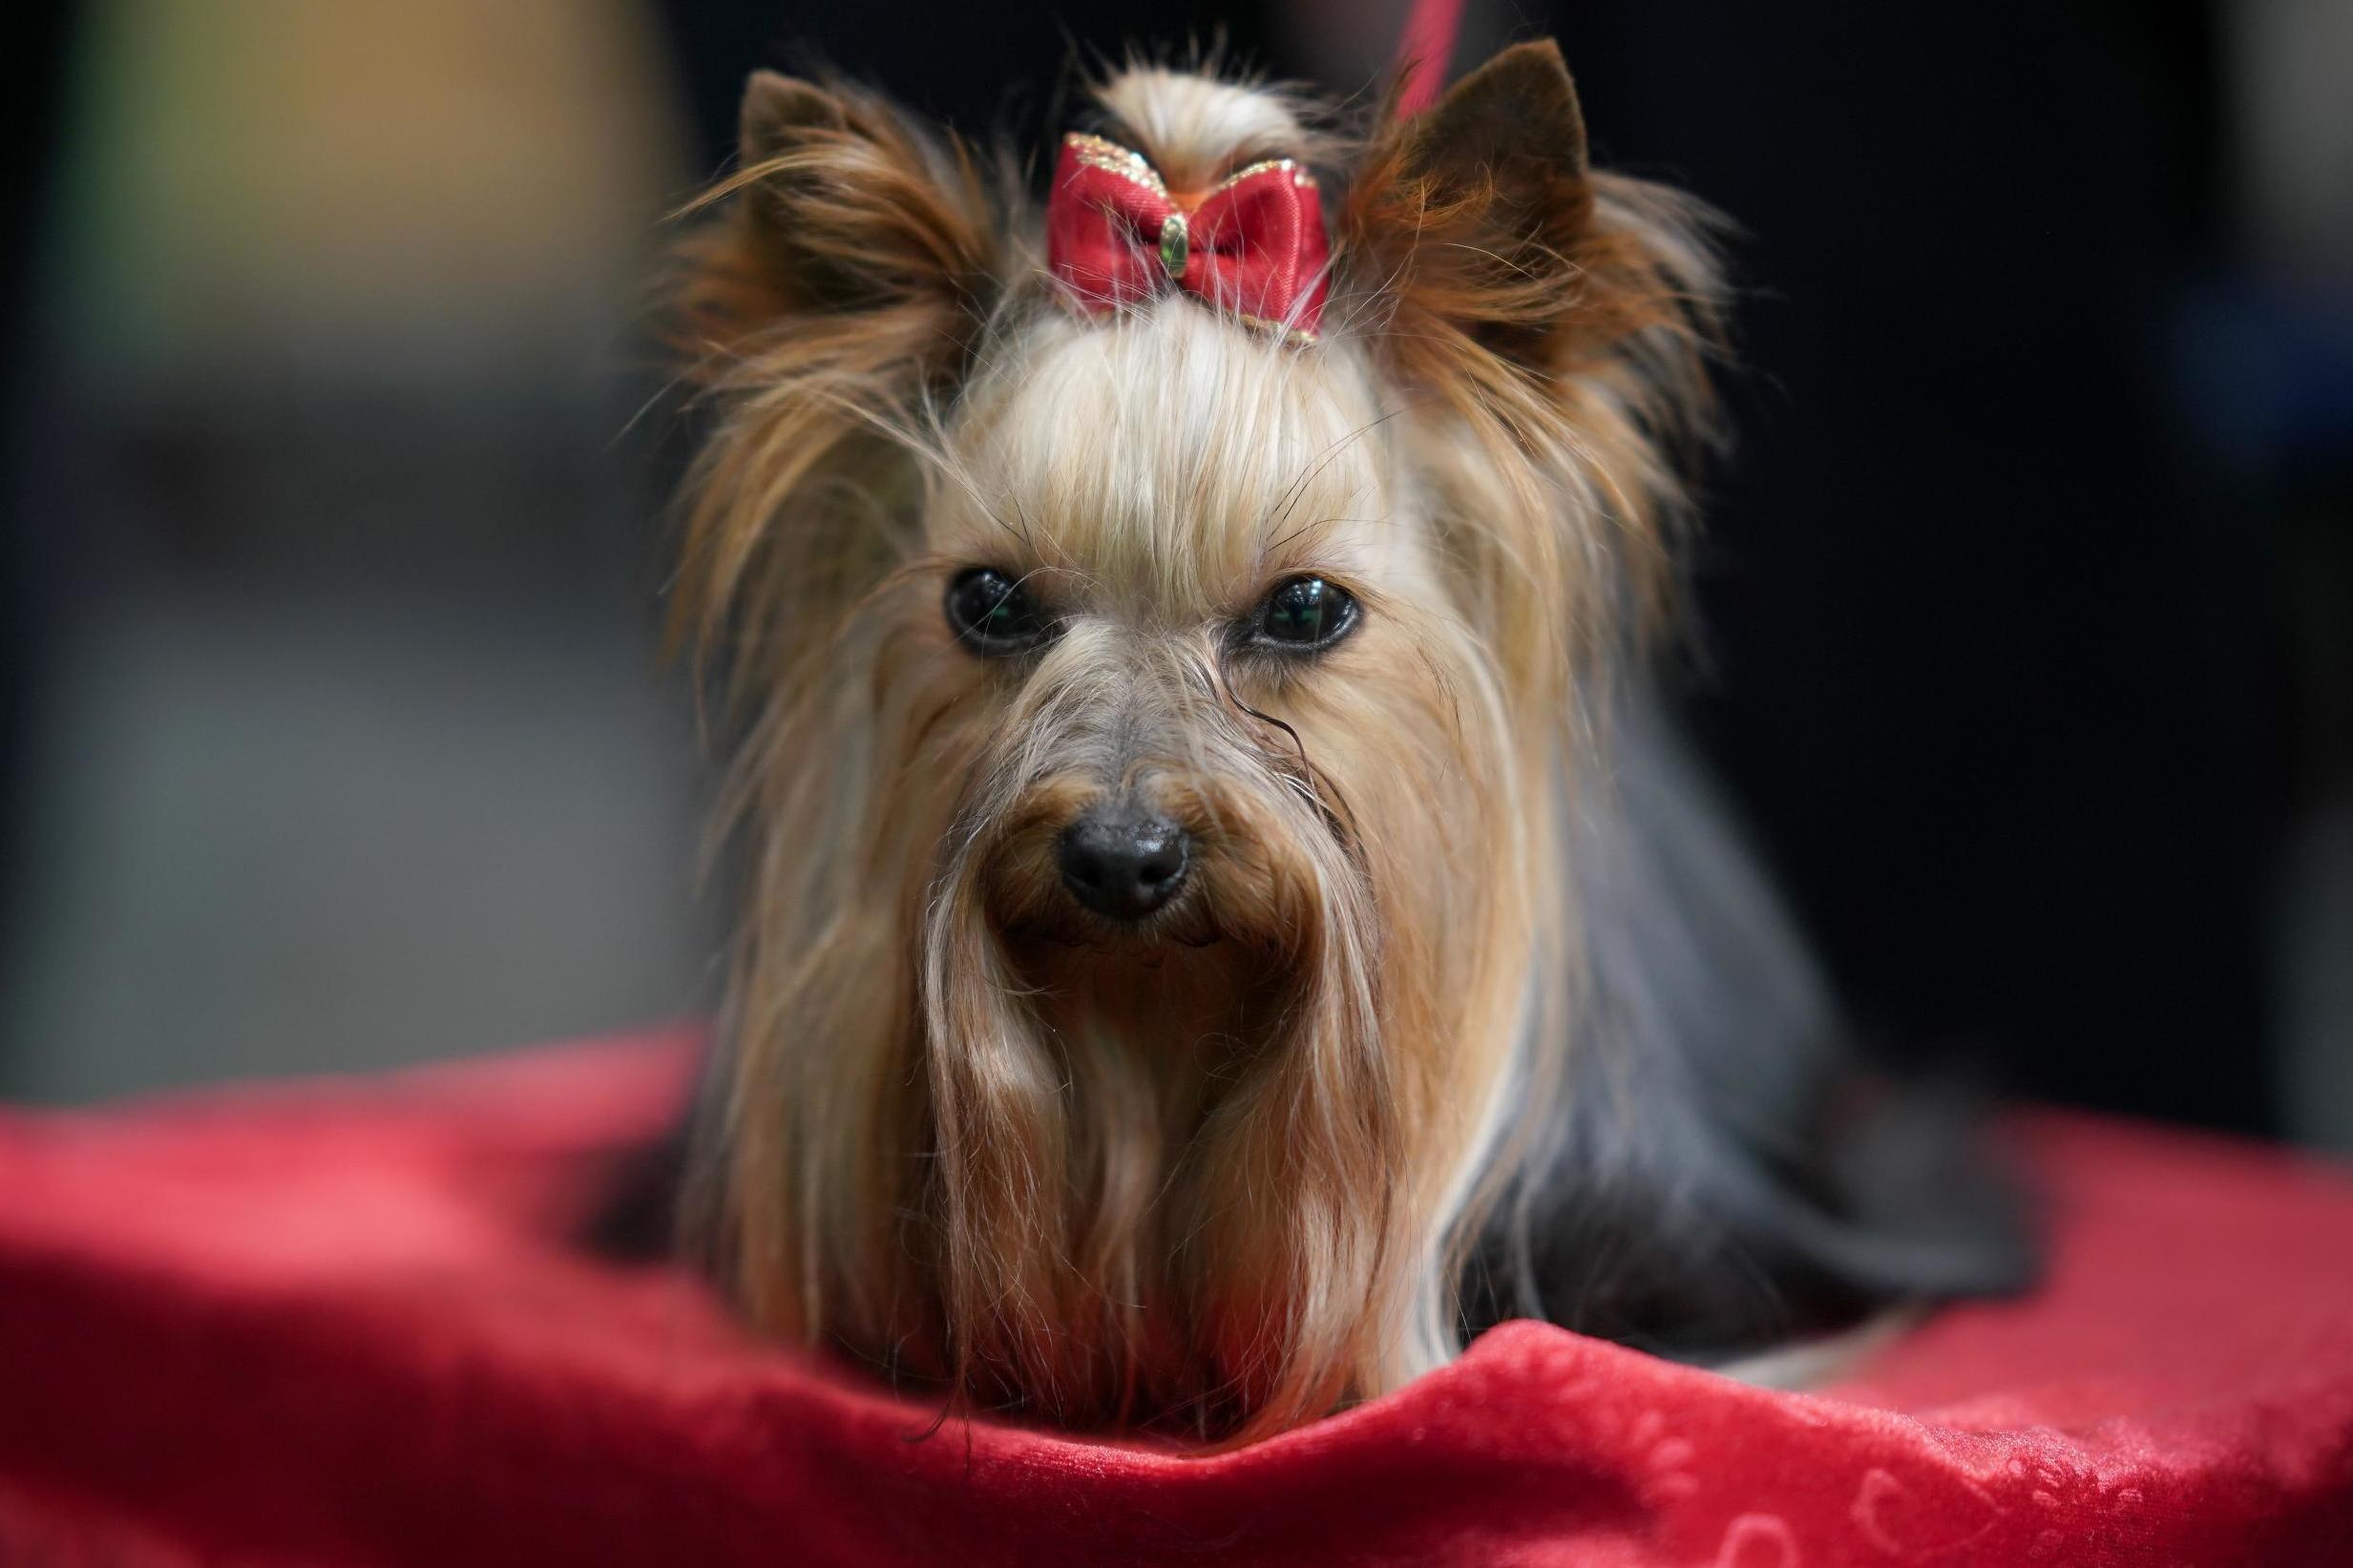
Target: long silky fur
(1228, 1184)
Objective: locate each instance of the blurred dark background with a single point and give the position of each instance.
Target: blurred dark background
(331, 729)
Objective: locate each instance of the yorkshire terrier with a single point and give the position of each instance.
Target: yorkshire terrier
(1224, 917)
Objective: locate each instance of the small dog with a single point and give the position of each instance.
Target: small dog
(1223, 920)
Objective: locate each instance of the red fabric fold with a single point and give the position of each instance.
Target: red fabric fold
(338, 1324)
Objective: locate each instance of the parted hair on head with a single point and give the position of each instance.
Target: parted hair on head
(1152, 731)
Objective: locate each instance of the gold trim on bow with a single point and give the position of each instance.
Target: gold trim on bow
(1112, 158)
(1101, 153)
(1299, 337)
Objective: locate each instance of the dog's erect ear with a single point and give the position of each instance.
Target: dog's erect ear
(855, 209)
(852, 227)
(1516, 116)
(1481, 223)
(1499, 164)
(835, 295)
(1558, 322)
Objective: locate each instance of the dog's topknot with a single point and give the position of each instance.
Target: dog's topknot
(1197, 128)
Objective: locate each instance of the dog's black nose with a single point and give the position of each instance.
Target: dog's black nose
(1123, 863)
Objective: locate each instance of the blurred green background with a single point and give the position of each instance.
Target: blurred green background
(351, 742)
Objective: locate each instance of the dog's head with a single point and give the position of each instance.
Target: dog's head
(1157, 703)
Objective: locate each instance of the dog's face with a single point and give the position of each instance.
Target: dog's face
(1165, 538)
(1157, 740)
(1176, 554)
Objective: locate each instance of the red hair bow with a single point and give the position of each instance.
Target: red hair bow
(1253, 245)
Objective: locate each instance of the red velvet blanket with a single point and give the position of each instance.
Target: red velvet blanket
(336, 1324)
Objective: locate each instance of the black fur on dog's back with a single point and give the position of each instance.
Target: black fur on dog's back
(1722, 1174)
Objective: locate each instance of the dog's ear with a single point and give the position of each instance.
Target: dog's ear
(853, 209)
(850, 222)
(1484, 222)
(1562, 317)
(1475, 216)
(834, 295)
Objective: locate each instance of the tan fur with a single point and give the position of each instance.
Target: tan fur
(1198, 128)
(1216, 1171)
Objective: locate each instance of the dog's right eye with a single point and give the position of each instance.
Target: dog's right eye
(992, 614)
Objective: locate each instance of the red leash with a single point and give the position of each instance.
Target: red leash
(1423, 50)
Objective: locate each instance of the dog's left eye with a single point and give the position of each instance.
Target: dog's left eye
(994, 613)
(1303, 614)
